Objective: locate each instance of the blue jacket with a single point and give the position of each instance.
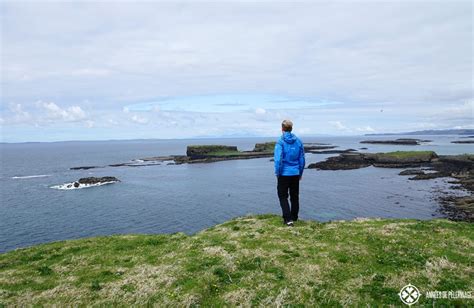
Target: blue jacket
(289, 155)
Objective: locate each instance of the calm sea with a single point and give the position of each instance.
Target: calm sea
(189, 198)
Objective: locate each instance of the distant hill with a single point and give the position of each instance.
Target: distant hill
(432, 132)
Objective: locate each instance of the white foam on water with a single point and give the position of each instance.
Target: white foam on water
(31, 176)
(70, 186)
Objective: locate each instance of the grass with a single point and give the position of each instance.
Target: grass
(252, 260)
(405, 156)
(422, 155)
(213, 150)
(265, 147)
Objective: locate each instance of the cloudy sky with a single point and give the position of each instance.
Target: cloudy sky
(119, 70)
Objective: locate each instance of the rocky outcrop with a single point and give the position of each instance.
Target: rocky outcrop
(347, 161)
(87, 182)
(333, 151)
(344, 161)
(400, 141)
(311, 147)
(463, 141)
(264, 147)
(85, 167)
(411, 172)
(97, 180)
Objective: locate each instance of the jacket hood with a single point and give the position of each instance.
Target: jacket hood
(288, 137)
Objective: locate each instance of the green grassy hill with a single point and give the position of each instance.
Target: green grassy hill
(251, 260)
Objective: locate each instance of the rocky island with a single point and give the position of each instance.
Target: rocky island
(463, 141)
(87, 182)
(399, 141)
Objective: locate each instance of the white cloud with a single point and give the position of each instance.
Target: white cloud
(20, 114)
(365, 129)
(112, 122)
(140, 120)
(41, 113)
(70, 114)
(260, 111)
(338, 125)
(89, 123)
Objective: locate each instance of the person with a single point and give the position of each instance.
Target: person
(289, 165)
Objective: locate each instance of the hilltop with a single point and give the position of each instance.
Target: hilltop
(252, 260)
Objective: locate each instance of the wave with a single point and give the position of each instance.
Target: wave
(70, 186)
(31, 176)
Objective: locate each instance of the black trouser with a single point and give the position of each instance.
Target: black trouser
(291, 183)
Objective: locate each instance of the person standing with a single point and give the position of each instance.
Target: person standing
(289, 165)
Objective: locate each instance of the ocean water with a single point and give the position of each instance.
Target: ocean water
(188, 198)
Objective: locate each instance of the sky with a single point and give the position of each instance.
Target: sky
(99, 70)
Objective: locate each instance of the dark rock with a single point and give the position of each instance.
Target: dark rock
(345, 161)
(96, 180)
(180, 159)
(119, 165)
(142, 165)
(316, 143)
(363, 148)
(458, 208)
(332, 151)
(84, 167)
(429, 176)
(399, 141)
(312, 147)
(463, 141)
(460, 164)
(411, 172)
(76, 184)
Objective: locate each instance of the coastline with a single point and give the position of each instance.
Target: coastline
(423, 165)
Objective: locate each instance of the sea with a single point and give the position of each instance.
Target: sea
(191, 197)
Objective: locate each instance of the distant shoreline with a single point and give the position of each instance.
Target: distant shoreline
(450, 132)
(429, 132)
